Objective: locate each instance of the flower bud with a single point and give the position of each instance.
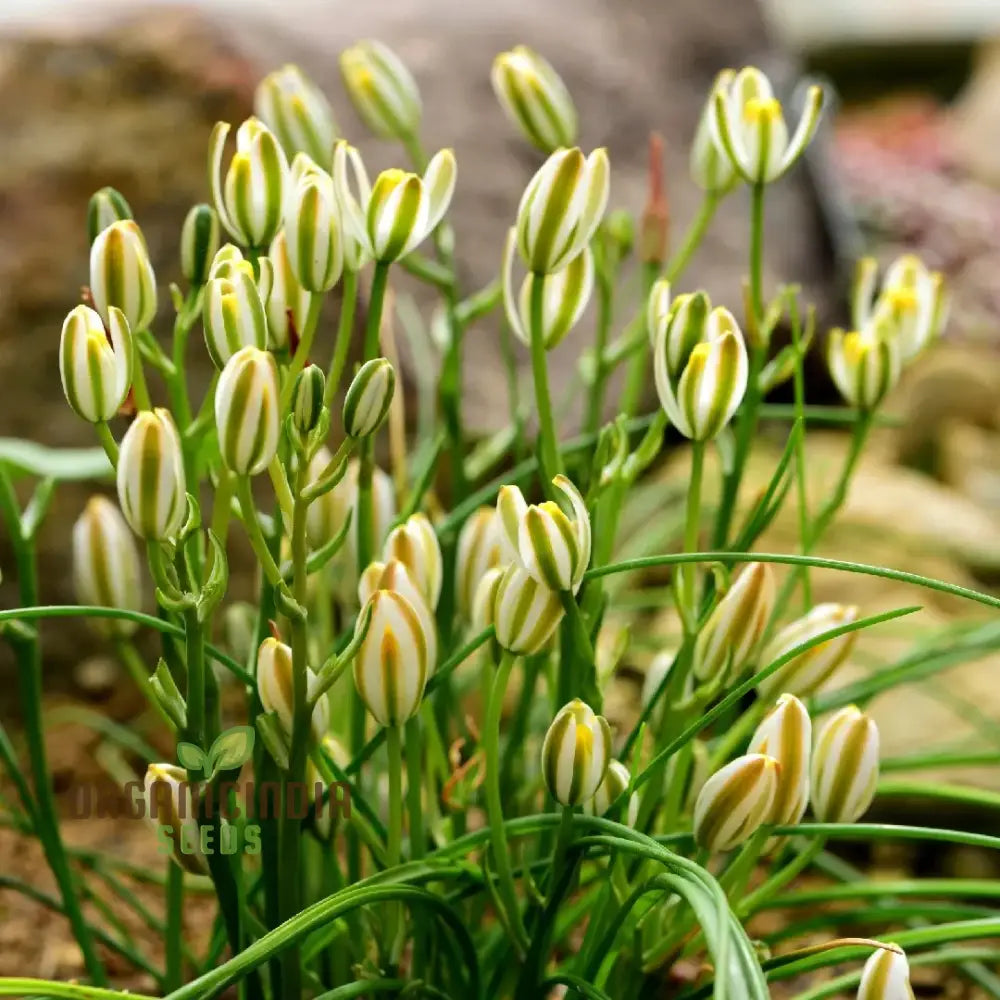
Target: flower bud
(199, 243)
(864, 366)
(701, 367)
(478, 551)
(534, 98)
(251, 199)
(307, 399)
(297, 112)
(170, 805)
(553, 547)
(106, 569)
(151, 484)
(616, 781)
(288, 302)
(484, 599)
(561, 209)
(525, 612)
(313, 227)
(565, 295)
(886, 976)
(748, 124)
(735, 802)
(366, 404)
(96, 367)
(786, 735)
(390, 219)
(382, 90)
(277, 693)
(121, 275)
(415, 544)
(233, 316)
(808, 671)
(845, 766)
(390, 669)
(246, 411)
(729, 637)
(106, 207)
(227, 261)
(619, 227)
(576, 753)
(395, 576)
(711, 168)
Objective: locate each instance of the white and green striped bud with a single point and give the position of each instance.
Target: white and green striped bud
(729, 638)
(121, 275)
(561, 208)
(616, 781)
(910, 310)
(251, 199)
(701, 382)
(478, 551)
(95, 367)
(246, 411)
(415, 544)
(354, 193)
(576, 753)
(748, 124)
(382, 90)
(786, 735)
(807, 672)
(200, 236)
(105, 208)
(287, 303)
(307, 399)
(395, 576)
(553, 547)
(535, 98)
(391, 218)
(233, 316)
(297, 112)
(313, 228)
(368, 398)
(735, 802)
(227, 260)
(886, 976)
(845, 766)
(865, 365)
(564, 294)
(711, 168)
(275, 681)
(106, 568)
(171, 804)
(151, 484)
(526, 613)
(484, 599)
(391, 666)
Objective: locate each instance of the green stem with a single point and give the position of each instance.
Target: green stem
(687, 576)
(394, 747)
(174, 935)
(140, 392)
(308, 335)
(756, 899)
(254, 534)
(606, 272)
(799, 386)
(108, 442)
(414, 787)
(548, 442)
(137, 670)
(345, 327)
(693, 236)
(638, 367)
(757, 253)
(177, 383)
(195, 657)
(494, 806)
(376, 300)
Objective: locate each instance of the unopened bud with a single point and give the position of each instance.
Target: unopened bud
(200, 237)
(382, 90)
(106, 207)
(525, 612)
(313, 228)
(288, 303)
(535, 98)
(121, 275)
(368, 398)
(415, 544)
(246, 411)
(95, 367)
(395, 576)
(616, 781)
(845, 766)
(275, 686)
(576, 753)
(233, 316)
(307, 399)
(735, 802)
(478, 551)
(786, 735)
(171, 806)
(886, 976)
(297, 112)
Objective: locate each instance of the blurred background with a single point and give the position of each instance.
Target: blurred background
(125, 93)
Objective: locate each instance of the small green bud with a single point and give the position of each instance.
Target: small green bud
(561, 208)
(106, 206)
(246, 411)
(274, 685)
(845, 766)
(576, 753)
(95, 367)
(735, 802)
(298, 113)
(307, 399)
(122, 276)
(391, 666)
(535, 98)
(151, 483)
(232, 315)
(368, 398)
(382, 90)
(620, 228)
(199, 243)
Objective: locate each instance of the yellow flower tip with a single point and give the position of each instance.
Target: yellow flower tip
(584, 739)
(756, 110)
(700, 353)
(902, 299)
(856, 346)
